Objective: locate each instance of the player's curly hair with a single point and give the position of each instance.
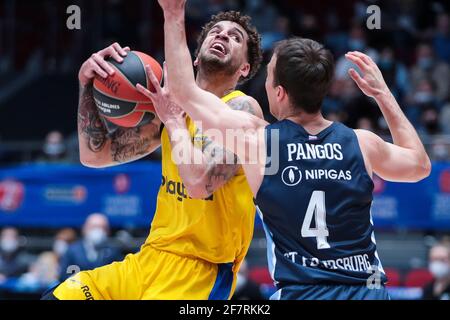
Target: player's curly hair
(255, 55)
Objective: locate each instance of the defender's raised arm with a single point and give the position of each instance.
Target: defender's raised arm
(406, 160)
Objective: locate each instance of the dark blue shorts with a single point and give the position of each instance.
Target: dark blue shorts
(330, 292)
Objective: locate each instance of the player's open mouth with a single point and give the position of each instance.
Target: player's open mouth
(219, 48)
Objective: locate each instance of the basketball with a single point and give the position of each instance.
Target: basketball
(116, 96)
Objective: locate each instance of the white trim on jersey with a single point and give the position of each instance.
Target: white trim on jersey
(372, 237)
(276, 295)
(271, 257)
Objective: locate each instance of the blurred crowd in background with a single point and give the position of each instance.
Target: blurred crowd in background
(412, 49)
(40, 57)
(26, 274)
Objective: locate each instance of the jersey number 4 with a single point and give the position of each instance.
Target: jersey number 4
(316, 209)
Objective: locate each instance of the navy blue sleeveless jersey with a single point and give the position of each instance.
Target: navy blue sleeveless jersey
(316, 209)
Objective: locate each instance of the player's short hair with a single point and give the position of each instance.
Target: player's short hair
(255, 54)
(305, 69)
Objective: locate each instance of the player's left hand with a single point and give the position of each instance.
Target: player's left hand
(166, 109)
(371, 82)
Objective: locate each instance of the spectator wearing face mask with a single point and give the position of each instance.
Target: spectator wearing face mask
(63, 239)
(439, 266)
(394, 72)
(13, 261)
(54, 149)
(440, 150)
(428, 66)
(356, 42)
(421, 105)
(92, 251)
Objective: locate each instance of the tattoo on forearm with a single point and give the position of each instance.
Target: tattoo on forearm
(128, 144)
(89, 122)
(223, 165)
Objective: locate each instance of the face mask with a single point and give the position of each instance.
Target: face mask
(96, 236)
(439, 269)
(356, 44)
(425, 63)
(54, 149)
(440, 152)
(60, 247)
(9, 245)
(423, 97)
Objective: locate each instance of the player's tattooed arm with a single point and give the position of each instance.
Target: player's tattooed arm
(98, 149)
(217, 165)
(133, 143)
(222, 165)
(90, 126)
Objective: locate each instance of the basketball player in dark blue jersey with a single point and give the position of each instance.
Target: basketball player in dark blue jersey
(315, 197)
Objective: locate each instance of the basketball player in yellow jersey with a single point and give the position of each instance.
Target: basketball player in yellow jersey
(204, 218)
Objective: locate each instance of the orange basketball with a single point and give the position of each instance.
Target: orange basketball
(117, 98)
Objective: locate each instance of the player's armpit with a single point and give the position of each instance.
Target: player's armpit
(392, 162)
(97, 149)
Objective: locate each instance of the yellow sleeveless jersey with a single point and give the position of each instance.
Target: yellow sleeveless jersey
(217, 229)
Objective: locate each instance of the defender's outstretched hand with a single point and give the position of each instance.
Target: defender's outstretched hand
(371, 82)
(165, 108)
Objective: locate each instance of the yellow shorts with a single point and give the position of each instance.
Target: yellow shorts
(151, 274)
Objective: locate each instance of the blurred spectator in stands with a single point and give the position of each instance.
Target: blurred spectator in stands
(93, 250)
(445, 118)
(356, 42)
(335, 117)
(246, 289)
(336, 38)
(429, 124)
(54, 148)
(365, 124)
(13, 260)
(441, 40)
(308, 26)
(440, 150)
(198, 12)
(63, 239)
(422, 99)
(357, 105)
(264, 14)
(279, 32)
(439, 266)
(42, 273)
(333, 102)
(428, 66)
(395, 73)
